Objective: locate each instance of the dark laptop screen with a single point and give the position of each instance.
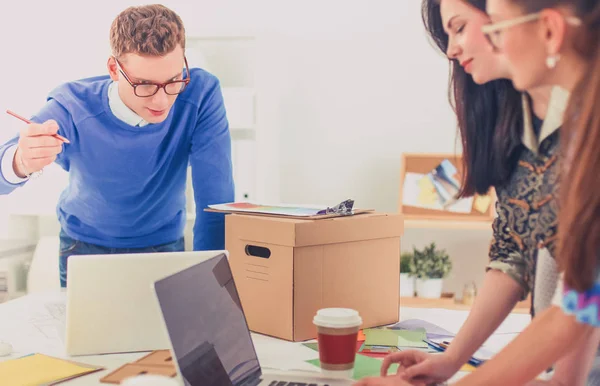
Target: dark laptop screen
(206, 325)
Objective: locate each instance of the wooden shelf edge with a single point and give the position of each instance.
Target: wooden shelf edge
(416, 223)
(449, 303)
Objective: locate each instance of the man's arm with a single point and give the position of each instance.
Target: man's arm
(9, 181)
(212, 174)
(549, 337)
(34, 147)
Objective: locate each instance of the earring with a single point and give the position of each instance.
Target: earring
(552, 61)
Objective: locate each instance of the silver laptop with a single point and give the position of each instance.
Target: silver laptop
(210, 339)
(111, 307)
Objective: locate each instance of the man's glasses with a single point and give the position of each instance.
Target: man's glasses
(145, 90)
(493, 31)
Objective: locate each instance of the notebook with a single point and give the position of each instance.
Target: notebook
(39, 369)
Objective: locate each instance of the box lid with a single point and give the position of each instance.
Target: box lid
(302, 233)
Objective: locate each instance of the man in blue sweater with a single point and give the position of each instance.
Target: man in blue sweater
(132, 135)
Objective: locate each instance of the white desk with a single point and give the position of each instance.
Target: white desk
(27, 325)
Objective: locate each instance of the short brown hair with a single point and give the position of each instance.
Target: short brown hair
(148, 30)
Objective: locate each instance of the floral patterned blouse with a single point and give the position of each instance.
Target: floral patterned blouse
(527, 209)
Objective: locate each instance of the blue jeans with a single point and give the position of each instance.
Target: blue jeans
(69, 247)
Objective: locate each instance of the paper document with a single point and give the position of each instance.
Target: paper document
(364, 367)
(37, 324)
(395, 338)
(279, 209)
(344, 208)
(40, 369)
(482, 354)
(433, 331)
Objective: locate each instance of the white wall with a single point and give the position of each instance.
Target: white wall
(346, 86)
(364, 86)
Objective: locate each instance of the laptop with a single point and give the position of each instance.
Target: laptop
(111, 307)
(210, 339)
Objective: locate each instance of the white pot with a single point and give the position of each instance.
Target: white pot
(429, 288)
(407, 285)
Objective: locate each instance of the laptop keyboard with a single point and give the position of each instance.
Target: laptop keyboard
(283, 383)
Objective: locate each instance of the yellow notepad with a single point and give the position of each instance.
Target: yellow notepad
(427, 192)
(482, 203)
(38, 369)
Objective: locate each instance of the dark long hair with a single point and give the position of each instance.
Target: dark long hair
(490, 116)
(579, 218)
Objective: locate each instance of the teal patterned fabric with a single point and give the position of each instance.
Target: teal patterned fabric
(585, 306)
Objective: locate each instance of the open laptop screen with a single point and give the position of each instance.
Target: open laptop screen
(208, 331)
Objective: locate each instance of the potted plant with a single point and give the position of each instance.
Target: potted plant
(407, 279)
(431, 267)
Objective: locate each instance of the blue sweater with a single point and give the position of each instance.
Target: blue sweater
(127, 184)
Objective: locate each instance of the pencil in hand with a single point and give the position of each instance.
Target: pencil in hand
(57, 136)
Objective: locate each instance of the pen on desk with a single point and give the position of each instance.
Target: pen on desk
(441, 347)
(57, 136)
(473, 361)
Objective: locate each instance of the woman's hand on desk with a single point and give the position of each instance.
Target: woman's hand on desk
(414, 364)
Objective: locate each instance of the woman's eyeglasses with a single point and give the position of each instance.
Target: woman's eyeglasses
(493, 31)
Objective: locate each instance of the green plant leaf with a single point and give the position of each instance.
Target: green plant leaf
(407, 263)
(431, 263)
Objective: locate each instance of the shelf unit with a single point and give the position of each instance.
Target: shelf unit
(441, 226)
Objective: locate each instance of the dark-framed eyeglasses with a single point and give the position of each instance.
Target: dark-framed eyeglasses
(145, 90)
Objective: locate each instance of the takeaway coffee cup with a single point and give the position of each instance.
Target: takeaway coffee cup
(337, 330)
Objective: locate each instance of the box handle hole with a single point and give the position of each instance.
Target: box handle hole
(256, 251)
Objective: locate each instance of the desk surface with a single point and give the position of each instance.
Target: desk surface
(26, 324)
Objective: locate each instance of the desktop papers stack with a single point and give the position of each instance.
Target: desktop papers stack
(387, 340)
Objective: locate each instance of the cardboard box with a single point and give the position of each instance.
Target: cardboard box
(287, 269)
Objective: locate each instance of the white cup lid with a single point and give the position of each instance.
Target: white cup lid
(337, 318)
